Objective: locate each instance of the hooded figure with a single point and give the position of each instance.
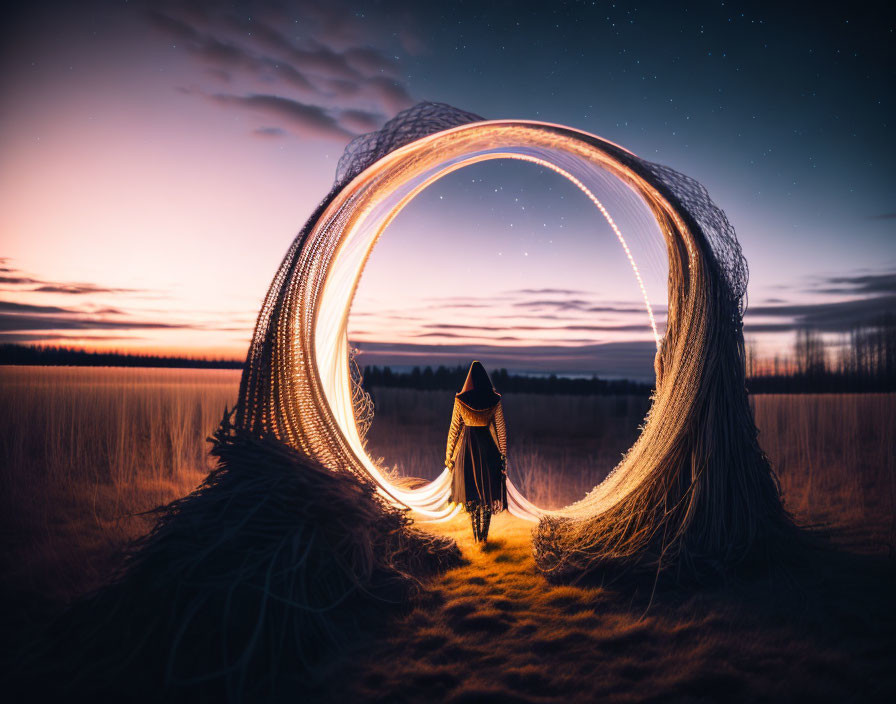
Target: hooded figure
(477, 450)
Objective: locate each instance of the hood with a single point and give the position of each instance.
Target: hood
(477, 391)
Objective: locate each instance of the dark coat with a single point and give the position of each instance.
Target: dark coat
(477, 446)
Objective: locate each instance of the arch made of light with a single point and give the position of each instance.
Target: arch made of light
(310, 403)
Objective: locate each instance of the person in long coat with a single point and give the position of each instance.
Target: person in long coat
(477, 450)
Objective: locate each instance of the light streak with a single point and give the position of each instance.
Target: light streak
(612, 223)
(312, 407)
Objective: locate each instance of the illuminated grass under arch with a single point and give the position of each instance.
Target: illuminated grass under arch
(685, 480)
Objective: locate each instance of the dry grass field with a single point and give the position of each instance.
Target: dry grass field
(559, 446)
(835, 454)
(85, 450)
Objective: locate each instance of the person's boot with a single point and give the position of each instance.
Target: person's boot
(486, 519)
(479, 522)
(474, 520)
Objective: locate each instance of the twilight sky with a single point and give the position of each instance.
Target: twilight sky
(156, 160)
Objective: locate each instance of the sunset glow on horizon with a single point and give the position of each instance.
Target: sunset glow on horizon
(158, 159)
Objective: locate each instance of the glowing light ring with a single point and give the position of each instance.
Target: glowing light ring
(616, 231)
(299, 385)
(332, 343)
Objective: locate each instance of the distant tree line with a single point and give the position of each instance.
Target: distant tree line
(67, 357)
(444, 378)
(441, 378)
(863, 361)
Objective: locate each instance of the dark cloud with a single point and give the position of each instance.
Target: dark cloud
(360, 121)
(220, 53)
(269, 132)
(391, 94)
(548, 328)
(305, 120)
(465, 305)
(450, 326)
(564, 301)
(632, 360)
(871, 294)
(13, 307)
(658, 310)
(19, 278)
(225, 54)
(266, 36)
(80, 289)
(837, 316)
(333, 77)
(220, 74)
(576, 303)
(16, 317)
(537, 316)
(610, 328)
(323, 61)
(228, 55)
(13, 322)
(546, 291)
(760, 328)
(340, 87)
(275, 69)
(860, 284)
(567, 304)
(509, 338)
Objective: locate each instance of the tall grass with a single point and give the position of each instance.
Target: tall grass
(835, 456)
(559, 447)
(83, 450)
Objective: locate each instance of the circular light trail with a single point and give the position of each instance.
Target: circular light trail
(311, 407)
(695, 492)
(331, 327)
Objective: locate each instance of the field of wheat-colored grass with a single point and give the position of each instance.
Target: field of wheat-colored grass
(559, 447)
(835, 456)
(84, 451)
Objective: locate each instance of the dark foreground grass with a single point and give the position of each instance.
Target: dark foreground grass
(242, 591)
(76, 476)
(495, 630)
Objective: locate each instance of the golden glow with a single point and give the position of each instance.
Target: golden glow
(312, 407)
